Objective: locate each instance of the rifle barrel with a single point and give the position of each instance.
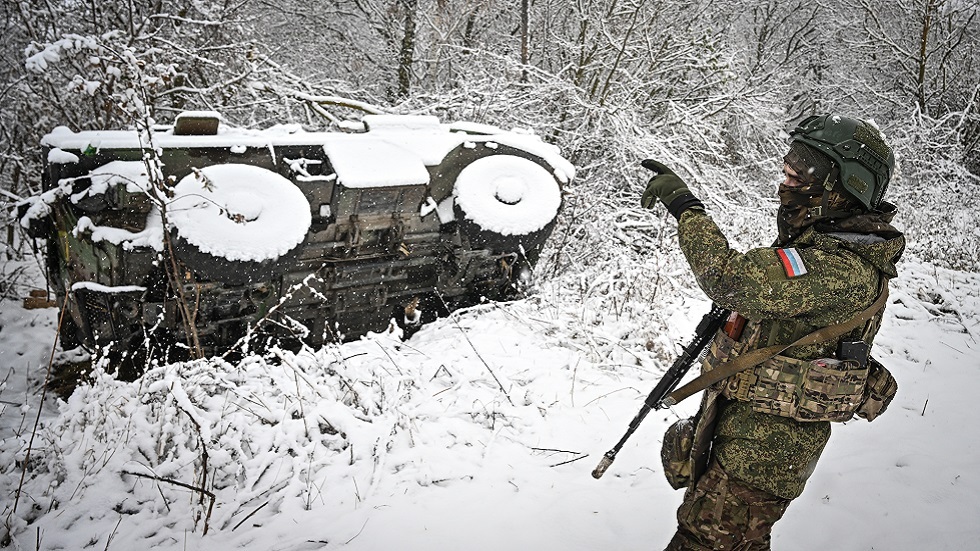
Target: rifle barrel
(658, 397)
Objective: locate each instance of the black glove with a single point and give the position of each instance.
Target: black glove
(669, 189)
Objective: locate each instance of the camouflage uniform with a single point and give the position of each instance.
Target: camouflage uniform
(751, 464)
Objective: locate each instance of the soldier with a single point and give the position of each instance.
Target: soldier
(758, 434)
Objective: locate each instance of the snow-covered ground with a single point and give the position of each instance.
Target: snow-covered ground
(480, 432)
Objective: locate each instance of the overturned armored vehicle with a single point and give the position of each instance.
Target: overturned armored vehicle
(202, 238)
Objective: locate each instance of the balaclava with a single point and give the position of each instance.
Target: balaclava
(818, 199)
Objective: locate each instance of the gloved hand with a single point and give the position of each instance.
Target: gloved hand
(668, 188)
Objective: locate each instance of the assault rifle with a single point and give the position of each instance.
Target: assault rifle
(658, 398)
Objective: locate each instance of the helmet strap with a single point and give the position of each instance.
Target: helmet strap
(831, 179)
(823, 211)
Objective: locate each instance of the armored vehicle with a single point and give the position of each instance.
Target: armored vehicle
(205, 238)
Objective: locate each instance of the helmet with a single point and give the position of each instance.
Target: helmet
(866, 163)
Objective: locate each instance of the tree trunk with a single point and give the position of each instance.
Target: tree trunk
(407, 52)
(525, 16)
(920, 80)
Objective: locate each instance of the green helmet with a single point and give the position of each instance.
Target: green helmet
(866, 162)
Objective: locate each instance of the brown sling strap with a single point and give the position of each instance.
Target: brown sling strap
(759, 355)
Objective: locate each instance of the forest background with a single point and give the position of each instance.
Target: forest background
(709, 88)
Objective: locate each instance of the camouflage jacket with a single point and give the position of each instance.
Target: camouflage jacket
(836, 275)
(833, 276)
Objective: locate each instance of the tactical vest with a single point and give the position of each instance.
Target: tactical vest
(823, 389)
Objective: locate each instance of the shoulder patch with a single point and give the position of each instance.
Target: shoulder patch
(792, 262)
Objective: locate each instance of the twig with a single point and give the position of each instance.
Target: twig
(392, 360)
(204, 465)
(924, 408)
(44, 393)
(297, 373)
(113, 533)
(552, 450)
(171, 481)
(173, 273)
(583, 456)
(358, 533)
(443, 390)
(610, 393)
(574, 376)
(951, 346)
(257, 509)
(185, 485)
(477, 352)
(357, 491)
(302, 410)
(246, 339)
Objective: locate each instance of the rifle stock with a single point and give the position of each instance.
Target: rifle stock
(659, 397)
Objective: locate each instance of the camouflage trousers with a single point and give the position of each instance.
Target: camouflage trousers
(724, 514)
(760, 463)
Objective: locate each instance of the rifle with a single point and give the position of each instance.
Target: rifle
(658, 398)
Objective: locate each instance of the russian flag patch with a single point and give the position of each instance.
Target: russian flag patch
(792, 262)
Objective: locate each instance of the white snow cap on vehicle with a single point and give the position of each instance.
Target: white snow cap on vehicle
(60, 156)
(389, 145)
(131, 174)
(363, 161)
(507, 194)
(240, 212)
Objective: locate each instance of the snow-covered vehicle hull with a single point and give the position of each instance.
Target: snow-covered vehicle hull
(284, 234)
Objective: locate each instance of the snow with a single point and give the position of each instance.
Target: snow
(481, 431)
(401, 136)
(428, 207)
(150, 236)
(199, 115)
(90, 286)
(401, 122)
(507, 194)
(299, 168)
(363, 162)
(445, 210)
(131, 174)
(240, 212)
(40, 205)
(383, 444)
(60, 156)
(475, 128)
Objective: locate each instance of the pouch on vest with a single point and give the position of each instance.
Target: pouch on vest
(825, 389)
(879, 391)
(676, 453)
(832, 390)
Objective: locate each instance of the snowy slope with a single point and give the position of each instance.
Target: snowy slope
(478, 433)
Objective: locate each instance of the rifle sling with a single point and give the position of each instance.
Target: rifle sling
(759, 355)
